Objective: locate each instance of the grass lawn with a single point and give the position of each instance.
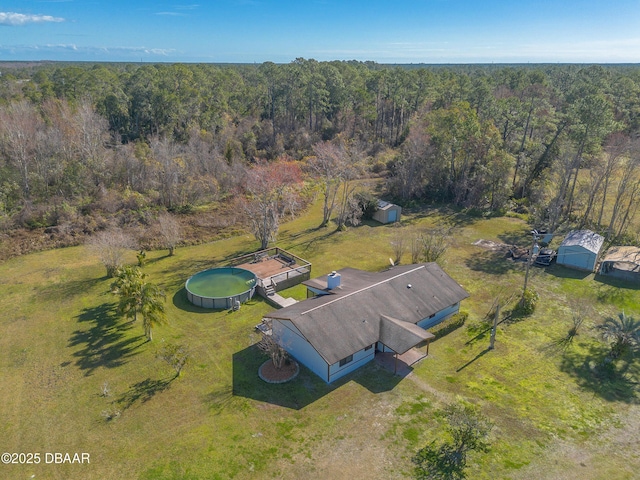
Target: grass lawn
(62, 343)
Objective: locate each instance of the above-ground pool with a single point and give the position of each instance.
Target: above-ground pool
(221, 287)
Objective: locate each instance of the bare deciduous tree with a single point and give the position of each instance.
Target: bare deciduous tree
(175, 355)
(348, 213)
(269, 345)
(170, 231)
(326, 166)
(93, 132)
(399, 244)
(105, 391)
(351, 213)
(19, 126)
(170, 169)
(625, 202)
(415, 247)
(269, 187)
(429, 245)
(561, 176)
(111, 246)
(601, 174)
(434, 244)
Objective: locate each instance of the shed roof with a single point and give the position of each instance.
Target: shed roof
(349, 318)
(384, 205)
(626, 254)
(584, 238)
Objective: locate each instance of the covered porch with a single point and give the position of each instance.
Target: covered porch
(401, 364)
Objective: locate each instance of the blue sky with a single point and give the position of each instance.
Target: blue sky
(384, 31)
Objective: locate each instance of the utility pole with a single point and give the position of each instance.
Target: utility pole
(535, 235)
(495, 326)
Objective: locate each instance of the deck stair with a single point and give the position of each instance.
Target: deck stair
(270, 289)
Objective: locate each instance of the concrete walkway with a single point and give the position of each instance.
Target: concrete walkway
(279, 301)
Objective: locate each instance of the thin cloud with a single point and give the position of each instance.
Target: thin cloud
(179, 10)
(14, 19)
(92, 51)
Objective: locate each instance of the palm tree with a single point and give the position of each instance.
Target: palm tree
(128, 286)
(622, 331)
(139, 296)
(151, 307)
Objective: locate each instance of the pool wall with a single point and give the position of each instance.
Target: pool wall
(220, 302)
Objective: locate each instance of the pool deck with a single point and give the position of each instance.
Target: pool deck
(272, 271)
(268, 267)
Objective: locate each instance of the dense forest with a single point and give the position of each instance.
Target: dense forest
(83, 146)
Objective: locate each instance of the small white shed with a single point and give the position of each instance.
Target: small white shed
(580, 250)
(387, 212)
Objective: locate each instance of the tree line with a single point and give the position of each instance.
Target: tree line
(556, 141)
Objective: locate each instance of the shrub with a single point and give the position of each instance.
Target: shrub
(450, 324)
(527, 305)
(378, 167)
(185, 209)
(367, 203)
(33, 216)
(468, 431)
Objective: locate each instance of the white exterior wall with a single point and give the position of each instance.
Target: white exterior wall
(359, 359)
(439, 317)
(298, 347)
(576, 257)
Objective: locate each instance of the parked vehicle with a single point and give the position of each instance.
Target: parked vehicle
(545, 257)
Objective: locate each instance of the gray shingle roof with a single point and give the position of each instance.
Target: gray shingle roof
(400, 335)
(349, 318)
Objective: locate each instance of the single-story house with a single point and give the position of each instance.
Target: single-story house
(622, 262)
(352, 314)
(387, 212)
(580, 249)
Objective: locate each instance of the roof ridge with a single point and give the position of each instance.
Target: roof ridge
(364, 288)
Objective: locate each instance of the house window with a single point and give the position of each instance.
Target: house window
(346, 360)
(368, 348)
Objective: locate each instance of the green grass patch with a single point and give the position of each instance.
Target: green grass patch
(62, 346)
